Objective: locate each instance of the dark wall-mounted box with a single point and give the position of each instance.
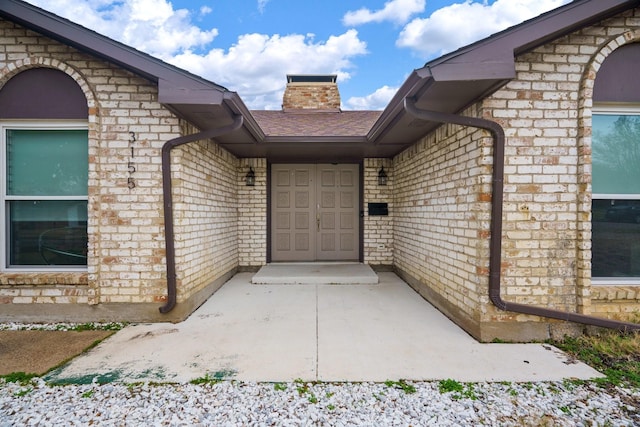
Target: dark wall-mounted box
(378, 209)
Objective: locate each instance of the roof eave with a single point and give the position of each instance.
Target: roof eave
(416, 82)
(482, 67)
(237, 106)
(91, 42)
(187, 95)
(536, 31)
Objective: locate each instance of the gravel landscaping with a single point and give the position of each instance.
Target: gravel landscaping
(397, 403)
(209, 402)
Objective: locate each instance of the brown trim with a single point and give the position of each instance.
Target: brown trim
(306, 139)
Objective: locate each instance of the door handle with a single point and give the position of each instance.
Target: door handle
(318, 220)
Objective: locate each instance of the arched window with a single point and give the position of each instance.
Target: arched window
(616, 168)
(44, 162)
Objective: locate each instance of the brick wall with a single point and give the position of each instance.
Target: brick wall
(616, 302)
(378, 230)
(441, 217)
(323, 96)
(252, 214)
(205, 214)
(126, 250)
(126, 245)
(21, 50)
(538, 110)
(442, 193)
(546, 112)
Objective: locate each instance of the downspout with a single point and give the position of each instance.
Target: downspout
(495, 248)
(168, 201)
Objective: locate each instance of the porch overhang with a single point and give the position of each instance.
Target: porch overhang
(322, 149)
(448, 84)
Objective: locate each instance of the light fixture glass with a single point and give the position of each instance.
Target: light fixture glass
(382, 176)
(250, 178)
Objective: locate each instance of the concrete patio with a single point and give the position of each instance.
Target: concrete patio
(315, 332)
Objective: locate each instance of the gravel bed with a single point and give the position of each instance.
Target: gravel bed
(11, 326)
(231, 403)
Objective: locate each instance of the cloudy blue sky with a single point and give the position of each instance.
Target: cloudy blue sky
(249, 46)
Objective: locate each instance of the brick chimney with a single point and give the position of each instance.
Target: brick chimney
(311, 92)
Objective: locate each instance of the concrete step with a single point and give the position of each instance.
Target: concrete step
(334, 273)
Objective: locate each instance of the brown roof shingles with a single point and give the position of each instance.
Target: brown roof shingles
(315, 123)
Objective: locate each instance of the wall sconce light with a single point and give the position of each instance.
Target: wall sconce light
(382, 176)
(250, 178)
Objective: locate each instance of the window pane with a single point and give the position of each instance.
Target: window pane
(616, 154)
(47, 232)
(616, 238)
(47, 162)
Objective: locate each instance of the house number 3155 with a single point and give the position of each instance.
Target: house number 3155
(131, 183)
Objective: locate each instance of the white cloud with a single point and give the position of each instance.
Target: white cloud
(460, 24)
(152, 26)
(378, 100)
(396, 11)
(255, 66)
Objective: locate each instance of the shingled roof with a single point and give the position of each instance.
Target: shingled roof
(315, 123)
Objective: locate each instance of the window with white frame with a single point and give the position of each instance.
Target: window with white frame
(616, 195)
(44, 191)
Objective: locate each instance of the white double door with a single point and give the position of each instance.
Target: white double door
(314, 212)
